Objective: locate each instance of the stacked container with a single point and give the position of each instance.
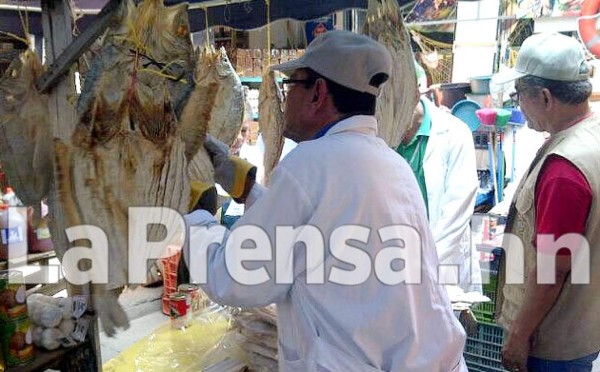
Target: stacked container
(15, 329)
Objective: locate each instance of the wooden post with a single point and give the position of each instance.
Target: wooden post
(57, 25)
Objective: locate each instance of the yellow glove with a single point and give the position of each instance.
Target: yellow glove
(203, 196)
(234, 174)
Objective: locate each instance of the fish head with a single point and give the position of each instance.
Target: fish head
(222, 63)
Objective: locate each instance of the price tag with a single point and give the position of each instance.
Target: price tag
(67, 341)
(79, 306)
(81, 328)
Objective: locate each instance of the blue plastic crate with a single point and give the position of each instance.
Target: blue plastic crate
(483, 352)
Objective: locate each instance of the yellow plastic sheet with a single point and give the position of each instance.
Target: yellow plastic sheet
(174, 349)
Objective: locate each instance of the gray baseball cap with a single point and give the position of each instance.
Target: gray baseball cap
(346, 58)
(550, 56)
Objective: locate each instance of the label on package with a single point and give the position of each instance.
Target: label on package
(67, 341)
(79, 306)
(42, 233)
(12, 235)
(81, 328)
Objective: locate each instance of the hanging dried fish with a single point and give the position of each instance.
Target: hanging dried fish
(25, 141)
(399, 96)
(270, 117)
(228, 108)
(128, 148)
(215, 106)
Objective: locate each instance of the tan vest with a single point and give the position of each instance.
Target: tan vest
(571, 329)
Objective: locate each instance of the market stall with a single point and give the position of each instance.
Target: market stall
(150, 58)
(157, 65)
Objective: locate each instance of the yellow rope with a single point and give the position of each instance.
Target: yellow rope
(26, 41)
(268, 2)
(206, 27)
(160, 74)
(25, 22)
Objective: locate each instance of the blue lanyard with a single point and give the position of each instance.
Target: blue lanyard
(325, 129)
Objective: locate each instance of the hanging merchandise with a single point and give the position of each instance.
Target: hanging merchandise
(586, 25)
(516, 119)
(317, 27)
(433, 10)
(488, 121)
(502, 117)
(399, 96)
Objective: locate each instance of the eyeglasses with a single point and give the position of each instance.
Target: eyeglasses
(307, 82)
(516, 96)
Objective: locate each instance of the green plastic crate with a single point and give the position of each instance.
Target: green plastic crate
(485, 311)
(483, 352)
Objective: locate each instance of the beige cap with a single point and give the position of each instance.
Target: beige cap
(550, 56)
(346, 58)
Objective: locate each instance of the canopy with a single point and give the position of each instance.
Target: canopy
(237, 14)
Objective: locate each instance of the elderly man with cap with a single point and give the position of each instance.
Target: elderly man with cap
(351, 262)
(548, 302)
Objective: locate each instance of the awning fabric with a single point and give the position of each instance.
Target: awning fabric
(243, 16)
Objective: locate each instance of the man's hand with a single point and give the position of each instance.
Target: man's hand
(515, 352)
(235, 175)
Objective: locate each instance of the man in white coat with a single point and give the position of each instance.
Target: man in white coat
(439, 148)
(345, 254)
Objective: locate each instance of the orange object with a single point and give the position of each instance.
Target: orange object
(587, 26)
(169, 264)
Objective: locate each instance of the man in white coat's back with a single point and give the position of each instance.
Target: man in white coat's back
(439, 149)
(359, 293)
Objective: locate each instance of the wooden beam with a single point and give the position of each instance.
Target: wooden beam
(61, 63)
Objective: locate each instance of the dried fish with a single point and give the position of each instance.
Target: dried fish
(128, 149)
(270, 116)
(214, 68)
(215, 106)
(399, 96)
(25, 140)
(256, 332)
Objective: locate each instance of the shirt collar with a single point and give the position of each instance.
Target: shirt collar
(326, 128)
(425, 127)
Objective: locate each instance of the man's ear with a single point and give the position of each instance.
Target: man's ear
(547, 95)
(320, 90)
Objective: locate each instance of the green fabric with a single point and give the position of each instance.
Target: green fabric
(414, 151)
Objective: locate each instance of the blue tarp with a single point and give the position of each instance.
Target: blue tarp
(244, 16)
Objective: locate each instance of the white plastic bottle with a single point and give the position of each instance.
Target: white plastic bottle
(13, 232)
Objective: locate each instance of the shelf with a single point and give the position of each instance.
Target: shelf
(42, 257)
(43, 360)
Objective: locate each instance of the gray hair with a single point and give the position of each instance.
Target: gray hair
(568, 92)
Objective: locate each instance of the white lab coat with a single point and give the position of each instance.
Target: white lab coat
(451, 179)
(327, 183)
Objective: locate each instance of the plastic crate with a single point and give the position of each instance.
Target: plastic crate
(492, 263)
(486, 311)
(483, 352)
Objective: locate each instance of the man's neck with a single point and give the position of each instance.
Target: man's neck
(569, 115)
